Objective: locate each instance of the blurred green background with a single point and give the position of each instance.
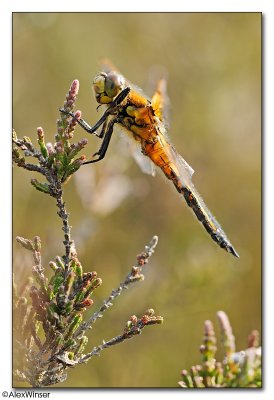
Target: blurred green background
(213, 64)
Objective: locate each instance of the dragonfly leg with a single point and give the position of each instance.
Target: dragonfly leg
(103, 130)
(121, 96)
(103, 149)
(85, 125)
(92, 129)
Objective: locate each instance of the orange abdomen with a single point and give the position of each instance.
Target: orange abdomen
(160, 157)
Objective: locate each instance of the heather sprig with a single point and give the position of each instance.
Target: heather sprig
(133, 276)
(49, 309)
(55, 307)
(237, 369)
(56, 161)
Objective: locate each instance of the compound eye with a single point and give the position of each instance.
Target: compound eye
(107, 86)
(99, 83)
(114, 84)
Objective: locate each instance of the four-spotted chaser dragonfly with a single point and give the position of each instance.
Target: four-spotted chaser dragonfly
(143, 120)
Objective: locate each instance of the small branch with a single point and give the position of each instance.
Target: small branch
(35, 247)
(97, 350)
(64, 215)
(133, 276)
(134, 327)
(57, 161)
(29, 167)
(27, 146)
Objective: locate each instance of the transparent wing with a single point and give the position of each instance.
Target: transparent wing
(107, 65)
(182, 169)
(144, 163)
(160, 102)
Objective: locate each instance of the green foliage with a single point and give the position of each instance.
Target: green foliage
(46, 317)
(237, 369)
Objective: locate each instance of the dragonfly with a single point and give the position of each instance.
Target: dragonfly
(143, 119)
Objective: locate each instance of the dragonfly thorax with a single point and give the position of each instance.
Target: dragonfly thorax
(107, 86)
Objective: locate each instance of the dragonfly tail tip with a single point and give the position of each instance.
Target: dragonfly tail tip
(233, 251)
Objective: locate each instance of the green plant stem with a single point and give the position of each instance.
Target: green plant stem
(64, 215)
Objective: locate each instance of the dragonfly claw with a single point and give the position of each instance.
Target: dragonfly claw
(63, 111)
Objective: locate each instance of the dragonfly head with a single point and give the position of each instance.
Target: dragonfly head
(107, 85)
